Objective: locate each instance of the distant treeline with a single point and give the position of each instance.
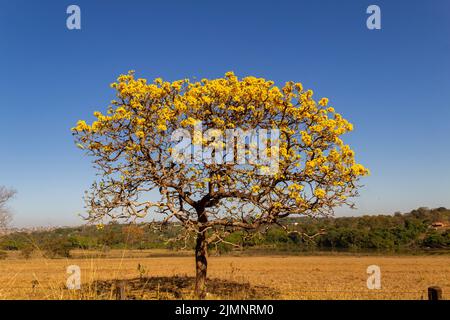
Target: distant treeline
(417, 230)
(420, 229)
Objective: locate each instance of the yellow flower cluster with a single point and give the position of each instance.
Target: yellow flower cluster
(81, 126)
(323, 102)
(255, 189)
(320, 193)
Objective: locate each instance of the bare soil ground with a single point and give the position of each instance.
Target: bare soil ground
(157, 274)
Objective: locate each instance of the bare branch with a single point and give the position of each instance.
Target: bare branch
(5, 214)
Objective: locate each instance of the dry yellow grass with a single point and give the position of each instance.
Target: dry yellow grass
(279, 277)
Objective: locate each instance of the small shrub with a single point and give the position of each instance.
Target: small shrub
(56, 248)
(27, 251)
(3, 255)
(8, 244)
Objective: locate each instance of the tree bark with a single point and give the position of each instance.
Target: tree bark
(201, 264)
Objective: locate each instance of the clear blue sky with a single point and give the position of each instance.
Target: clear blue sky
(393, 84)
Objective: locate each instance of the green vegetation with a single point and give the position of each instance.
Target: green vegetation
(410, 231)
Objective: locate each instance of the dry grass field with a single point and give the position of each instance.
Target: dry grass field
(162, 276)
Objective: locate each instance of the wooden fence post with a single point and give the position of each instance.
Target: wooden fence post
(121, 290)
(434, 293)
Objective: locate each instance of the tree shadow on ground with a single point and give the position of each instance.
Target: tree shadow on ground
(176, 287)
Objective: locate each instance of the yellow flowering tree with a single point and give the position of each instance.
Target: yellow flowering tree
(132, 145)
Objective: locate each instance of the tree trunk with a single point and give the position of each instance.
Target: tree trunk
(201, 264)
